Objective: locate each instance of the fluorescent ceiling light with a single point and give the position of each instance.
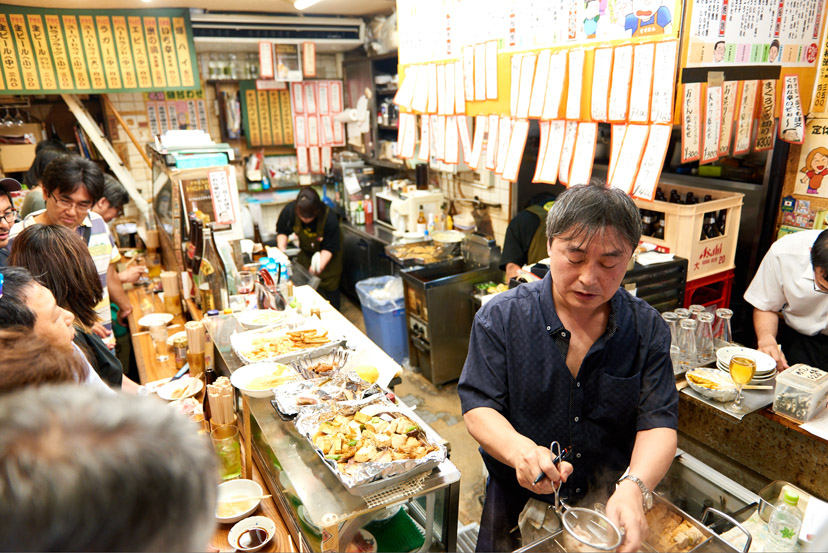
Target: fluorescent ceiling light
(302, 4)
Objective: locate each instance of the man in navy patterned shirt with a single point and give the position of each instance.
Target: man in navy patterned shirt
(576, 359)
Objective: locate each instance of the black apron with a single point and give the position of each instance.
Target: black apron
(310, 242)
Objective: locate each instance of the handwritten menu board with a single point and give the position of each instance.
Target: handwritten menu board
(209, 192)
(266, 116)
(182, 109)
(47, 50)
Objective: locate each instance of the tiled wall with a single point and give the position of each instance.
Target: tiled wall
(132, 110)
(488, 187)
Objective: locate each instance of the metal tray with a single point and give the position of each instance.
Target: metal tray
(393, 252)
(770, 494)
(242, 340)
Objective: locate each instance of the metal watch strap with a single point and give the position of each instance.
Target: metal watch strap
(646, 494)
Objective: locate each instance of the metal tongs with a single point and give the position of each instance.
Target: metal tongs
(590, 527)
(267, 291)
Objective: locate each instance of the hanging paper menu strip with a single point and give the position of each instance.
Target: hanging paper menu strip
(491, 70)
(410, 138)
(432, 88)
(302, 161)
(450, 89)
(425, 139)
(441, 90)
(477, 146)
(465, 141)
(629, 157)
(744, 116)
(459, 89)
(514, 82)
(544, 137)
(664, 72)
(767, 106)
(552, 155)
(438, 137)
(691, 123)
(468, 72)
(617, 139)
(791, 121)
(729, 89)
(620, 87)
(504, 135)
(570, 135)
(515, 150)
(584, 153)
(575, 81)
(420, 101)
(479, 72)
(641, 87)
(554, 86)
(539, 84)
(527, 74)
(601, 71)
(652, 162)
(298, 96)
(452, 141)
(405, 93)
(712, 124)
(222, 200)
(491, 142)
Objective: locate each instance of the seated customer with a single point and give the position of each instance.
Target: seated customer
(34, 179)
(60, 260)
(27, 360)
(27, 304)
(8, 215)
(83, 471)
(111, 205)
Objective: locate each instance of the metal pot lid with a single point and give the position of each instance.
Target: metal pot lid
(591, 528)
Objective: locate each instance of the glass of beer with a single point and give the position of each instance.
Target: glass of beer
(742, 370)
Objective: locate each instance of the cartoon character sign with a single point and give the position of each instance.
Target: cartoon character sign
(591, 17)
(812, 177)
(816, 167)
(648, 17)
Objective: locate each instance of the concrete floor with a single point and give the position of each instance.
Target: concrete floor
(440, 408)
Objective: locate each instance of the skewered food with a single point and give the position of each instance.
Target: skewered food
(670, 531)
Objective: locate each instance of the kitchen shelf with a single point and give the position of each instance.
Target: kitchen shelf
(387, 127)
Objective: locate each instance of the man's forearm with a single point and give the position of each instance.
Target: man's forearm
(766, 324)
(512, 270)
(653, 454)
(281, 241)
(496, 434)
(324, 258)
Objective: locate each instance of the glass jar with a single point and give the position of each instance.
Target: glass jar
(705, 350)
(722, 332)
(695, 309)
(687, 346)
(682, 313)
(672, 321)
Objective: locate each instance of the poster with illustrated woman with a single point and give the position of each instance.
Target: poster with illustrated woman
(811, 178)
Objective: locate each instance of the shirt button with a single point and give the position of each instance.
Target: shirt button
(548, 328)
(563, 334)
(577, 490)
(577, 419)
(577, 455)
(577, 384)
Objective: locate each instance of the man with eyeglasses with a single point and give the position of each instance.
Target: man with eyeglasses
(792, 283)
(7, 215)
(71, 187)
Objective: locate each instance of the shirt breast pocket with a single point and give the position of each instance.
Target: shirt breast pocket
(616, 401)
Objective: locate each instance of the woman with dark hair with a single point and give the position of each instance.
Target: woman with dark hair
(29, 360)
(34, 179)
(58, 259)
(317, 228)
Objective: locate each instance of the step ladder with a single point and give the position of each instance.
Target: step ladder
(109, 154)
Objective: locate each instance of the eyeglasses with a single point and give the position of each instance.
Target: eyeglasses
(64, 203)
(818, 289)
(9, 216)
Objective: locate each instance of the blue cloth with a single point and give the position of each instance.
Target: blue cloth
(516, 365)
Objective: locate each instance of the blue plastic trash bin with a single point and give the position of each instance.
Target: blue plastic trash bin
(383, 309)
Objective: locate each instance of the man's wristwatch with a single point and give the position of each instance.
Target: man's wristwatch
(646, 494)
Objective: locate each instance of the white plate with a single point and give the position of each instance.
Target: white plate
(154, 318)
(764, 362)
(242, 377)
(252, 522)
(758, 379)
(260, 318)
(238, 488)
(174, 337)
(190, 385)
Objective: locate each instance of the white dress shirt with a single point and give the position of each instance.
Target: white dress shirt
(785, 282)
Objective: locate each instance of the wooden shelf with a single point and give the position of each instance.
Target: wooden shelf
(387, 127)
(386, 92)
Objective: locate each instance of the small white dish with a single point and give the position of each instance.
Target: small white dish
(245, 377)
(155, 318)
(186, 386)
(233, 491)
(243, 526)
(174, 337)
(764, 362)
(260, 318)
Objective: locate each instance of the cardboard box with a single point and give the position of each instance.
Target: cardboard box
(16, 157)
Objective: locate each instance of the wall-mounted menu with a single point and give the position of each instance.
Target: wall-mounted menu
(266, 116)
(47, 50)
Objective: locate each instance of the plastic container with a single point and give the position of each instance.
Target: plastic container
(383, 309)
(801, 392)
(785, 522)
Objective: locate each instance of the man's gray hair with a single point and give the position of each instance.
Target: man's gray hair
(81, 470)
(588, 209)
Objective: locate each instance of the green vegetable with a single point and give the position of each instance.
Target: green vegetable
(352, 443)
(333, 457)
(375, 420)
(411, 428)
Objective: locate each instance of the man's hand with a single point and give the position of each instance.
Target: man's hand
(534, 460)
(769, 346)
(123, 315)
(132, 273)
(626, 509)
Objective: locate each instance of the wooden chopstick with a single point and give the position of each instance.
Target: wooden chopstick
(234, 499)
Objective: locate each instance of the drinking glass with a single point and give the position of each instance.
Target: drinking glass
(672, 320)
(705, 351)
(158, 333)
(226, 444)
(246, 281)
(687, 346)
(695, 309)
(682, 313)
(742, 370)
(722, 331)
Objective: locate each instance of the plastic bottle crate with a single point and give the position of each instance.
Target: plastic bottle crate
(710, 290)
(683, 227)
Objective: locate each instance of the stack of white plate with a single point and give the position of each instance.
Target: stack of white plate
(765, 365)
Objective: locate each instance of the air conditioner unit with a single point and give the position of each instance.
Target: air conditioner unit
(329, 33)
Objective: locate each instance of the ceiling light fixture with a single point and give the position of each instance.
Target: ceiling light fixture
(302, 4)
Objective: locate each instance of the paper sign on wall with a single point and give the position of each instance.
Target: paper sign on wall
(691, 123)
(527, 73)
(465, 140)
(791, 122)
(552, 155)
(744, 116)
(641, 87)
(452, 141)
(432, 88)
(491, 142)
(625, 171)
(601, 71)
(539, 84)
(405, 93)
(300, 132)
(576, 81)
(222, 201)
(767, 106)
(584, 153)
(479, 72)
(620, 87)
(652, 161)
(310, 98)
(450, 89)
(477, 146)
(302, 161)
(554, 86)
(315, 160)
(459, 89)
(729, 90)
(570, 135)
(504, 135)
(468, 72)
(425, 139)
(326, 159)
(514, 82)
(491, 70)
(616, 141)
(410, 138)
(441, 90)
(515, 150)
(712, 124)
(812, 170)
(438, 137)
(544, 136)
(664, 71)
(419, 102)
